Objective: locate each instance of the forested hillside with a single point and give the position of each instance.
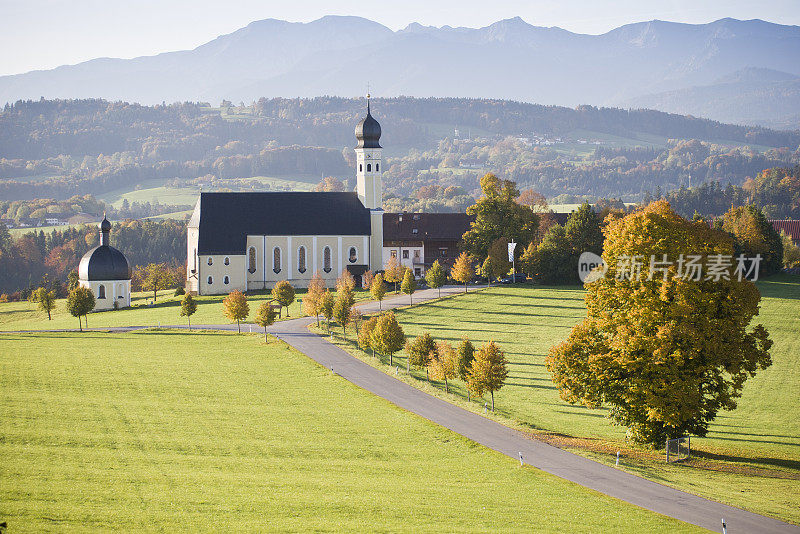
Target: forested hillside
(57, 149)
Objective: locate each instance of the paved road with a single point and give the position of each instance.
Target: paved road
(608, 480)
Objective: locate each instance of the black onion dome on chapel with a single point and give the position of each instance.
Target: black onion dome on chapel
(104, 262)
(368, 131)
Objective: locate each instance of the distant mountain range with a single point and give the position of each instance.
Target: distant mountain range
(730, 70)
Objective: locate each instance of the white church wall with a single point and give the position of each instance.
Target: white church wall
(118, 291)
(192, 260)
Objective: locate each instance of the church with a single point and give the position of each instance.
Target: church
(250, 241)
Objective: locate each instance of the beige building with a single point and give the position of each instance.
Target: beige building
(250, 241)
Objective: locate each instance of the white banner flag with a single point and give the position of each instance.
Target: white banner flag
(511, 247)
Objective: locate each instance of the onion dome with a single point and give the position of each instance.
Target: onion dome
(104, 262)
(368, 131)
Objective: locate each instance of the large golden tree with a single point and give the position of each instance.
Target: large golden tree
(667, 349)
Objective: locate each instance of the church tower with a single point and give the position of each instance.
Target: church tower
(368, 182)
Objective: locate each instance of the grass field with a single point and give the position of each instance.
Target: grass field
(751, 457)
(15, 316)
(176, 431)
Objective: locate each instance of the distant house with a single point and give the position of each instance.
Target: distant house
(419, 239)
(790, 227)
(28, 222)
(54, 221)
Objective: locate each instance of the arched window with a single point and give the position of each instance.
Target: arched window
(360, 167)
(353, 255)
(301, 259)
(210, 280)
(227, 260)
(226, 280)
(101, 292)
(326, 259)
(369, 167)
(276, 260)
(251, 268)
(377, 167)
(210, 261)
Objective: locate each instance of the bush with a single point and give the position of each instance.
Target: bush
(180, 292)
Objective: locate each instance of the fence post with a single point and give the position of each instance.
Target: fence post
(667, 449)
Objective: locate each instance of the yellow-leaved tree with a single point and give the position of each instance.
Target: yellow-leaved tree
(666, 349)
(236, 308)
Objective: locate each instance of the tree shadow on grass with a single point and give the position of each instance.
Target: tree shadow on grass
(760, 460)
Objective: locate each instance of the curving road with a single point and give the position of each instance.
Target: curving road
(604, 479)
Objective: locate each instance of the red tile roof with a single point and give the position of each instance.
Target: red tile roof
(791, 227)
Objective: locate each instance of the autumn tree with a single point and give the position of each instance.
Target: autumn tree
(551, 262)
(236, 308)
(326, 307)
(488, 371)
(73, 280)
(365, 334)
(669, 348)
(345, 282)
(283, 293)
(45, 299)
(436, 277)
(387, 337)
(378, 289)
(497, 215)
(341, 310)
(419, 351)
(465, 355)
(488, 270)
(462, 270)
(393, 272)
(366, 279)
(265, 317)
(443, 364)
(312, 301)
(409, 285)
(79, 303)
(753, 234)
(188, 307)
(532, 199)
(791, 252)
(155, 277)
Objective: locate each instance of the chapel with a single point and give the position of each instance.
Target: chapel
(106, 272)
(250, 241)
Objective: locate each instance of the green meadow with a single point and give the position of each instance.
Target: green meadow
(15, 316)
(196, 431)
(751, 456)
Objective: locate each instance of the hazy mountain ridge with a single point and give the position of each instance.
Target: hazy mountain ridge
(509, 59)
(749, 96)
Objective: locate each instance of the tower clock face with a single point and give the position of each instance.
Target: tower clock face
(369, 156)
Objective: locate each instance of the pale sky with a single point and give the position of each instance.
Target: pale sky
(42, 34)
